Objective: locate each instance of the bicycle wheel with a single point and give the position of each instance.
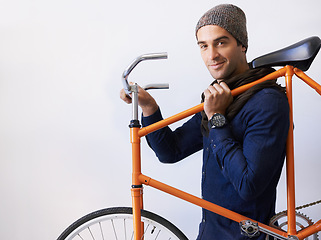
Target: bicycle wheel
(117, 223)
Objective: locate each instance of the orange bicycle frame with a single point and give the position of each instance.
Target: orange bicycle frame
(138, 179)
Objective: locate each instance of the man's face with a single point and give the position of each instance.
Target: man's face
(220, 52)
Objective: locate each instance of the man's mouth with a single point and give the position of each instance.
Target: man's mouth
(216, 66)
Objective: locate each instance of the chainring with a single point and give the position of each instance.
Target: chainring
(302, 221)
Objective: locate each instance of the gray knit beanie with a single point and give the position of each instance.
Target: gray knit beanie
(229, 17)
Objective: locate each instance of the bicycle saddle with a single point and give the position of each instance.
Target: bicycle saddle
(300, 55)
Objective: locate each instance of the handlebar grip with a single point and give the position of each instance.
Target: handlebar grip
(156, 86)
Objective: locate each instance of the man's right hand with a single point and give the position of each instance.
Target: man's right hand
(217, 98)
(145, 101)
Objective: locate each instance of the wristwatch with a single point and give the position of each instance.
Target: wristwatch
(217, 120)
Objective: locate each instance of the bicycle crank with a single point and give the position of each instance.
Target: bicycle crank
(302, 221)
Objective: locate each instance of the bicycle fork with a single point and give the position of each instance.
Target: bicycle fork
(137, 187)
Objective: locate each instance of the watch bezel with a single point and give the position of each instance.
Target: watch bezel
(217, 120)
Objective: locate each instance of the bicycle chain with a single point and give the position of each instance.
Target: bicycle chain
(308, 205)
(303, 206)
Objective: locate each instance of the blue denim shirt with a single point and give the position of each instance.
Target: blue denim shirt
(242, 161)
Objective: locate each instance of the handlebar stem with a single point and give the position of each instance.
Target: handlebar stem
(134, 90)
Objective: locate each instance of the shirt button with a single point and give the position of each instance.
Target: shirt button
(214, 146)
(203, 220)
(207, 149)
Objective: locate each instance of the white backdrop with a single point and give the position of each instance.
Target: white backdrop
(64, 140)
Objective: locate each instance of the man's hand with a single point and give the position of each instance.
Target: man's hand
(217, 98)
(145, 101)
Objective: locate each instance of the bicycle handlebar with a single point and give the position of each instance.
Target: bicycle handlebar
(156, 86)
(150, 56)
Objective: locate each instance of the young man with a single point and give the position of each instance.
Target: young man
(243, 138)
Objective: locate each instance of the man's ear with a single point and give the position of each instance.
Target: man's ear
(244, 49)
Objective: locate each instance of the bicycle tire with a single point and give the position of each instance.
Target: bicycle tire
(105, 223)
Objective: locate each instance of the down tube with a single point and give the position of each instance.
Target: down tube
(204, 204)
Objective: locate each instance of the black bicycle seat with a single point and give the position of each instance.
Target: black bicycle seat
(299, 55)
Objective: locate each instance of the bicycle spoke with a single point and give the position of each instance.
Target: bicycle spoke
(157, 234)
(101, 231)
(91, 234)
(112, 222)
(125, 229)
(80, 236)
(145, 231)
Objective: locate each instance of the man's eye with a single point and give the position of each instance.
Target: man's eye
(220, 43)
(203, 46)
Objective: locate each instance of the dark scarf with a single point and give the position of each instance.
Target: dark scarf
(240, 100)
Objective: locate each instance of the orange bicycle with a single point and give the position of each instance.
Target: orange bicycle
(137, 223)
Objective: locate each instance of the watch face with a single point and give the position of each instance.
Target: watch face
(218, 120)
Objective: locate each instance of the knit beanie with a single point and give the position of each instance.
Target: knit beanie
(229, 17)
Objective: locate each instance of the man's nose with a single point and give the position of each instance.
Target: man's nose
(213, 53)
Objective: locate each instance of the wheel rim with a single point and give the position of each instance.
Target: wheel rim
(118, 226)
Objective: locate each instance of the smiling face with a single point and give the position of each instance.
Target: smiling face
(221, 53)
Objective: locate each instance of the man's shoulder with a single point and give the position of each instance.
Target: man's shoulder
(270, 99)
(269, 94)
